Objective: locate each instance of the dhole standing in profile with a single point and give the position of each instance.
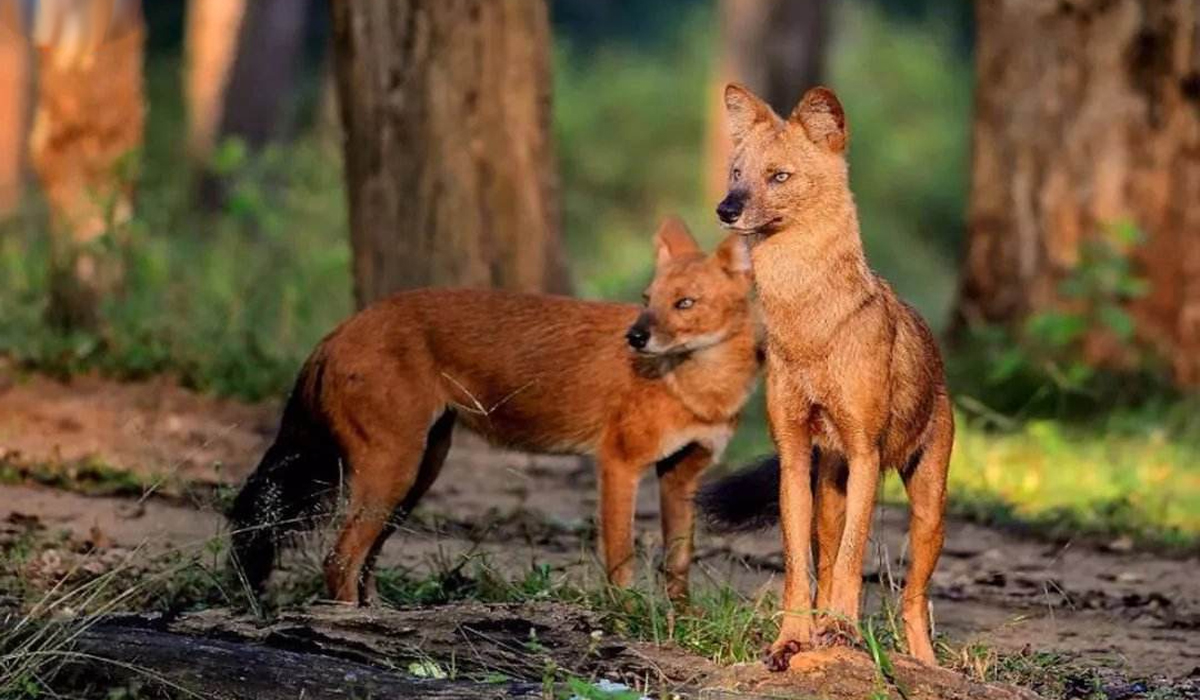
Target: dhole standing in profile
(851, 370)
(635, 386)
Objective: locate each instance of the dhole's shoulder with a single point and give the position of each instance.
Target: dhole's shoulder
(911, 327)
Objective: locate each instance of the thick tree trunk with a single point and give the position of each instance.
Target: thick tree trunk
(774, 47)
(14, 104)
(449, 162)
(1087, 113)
(89, 115)
(211, 43)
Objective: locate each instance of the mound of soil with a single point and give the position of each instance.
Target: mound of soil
(842, 673)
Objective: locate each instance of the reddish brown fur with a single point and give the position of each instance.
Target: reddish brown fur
(542, 374)
(850, 367)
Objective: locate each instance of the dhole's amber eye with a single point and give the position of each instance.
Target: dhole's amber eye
(737, 174)
(685, 303)
(781, 176)
(645, 299)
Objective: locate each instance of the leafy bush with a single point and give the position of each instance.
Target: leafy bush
(1049, 365)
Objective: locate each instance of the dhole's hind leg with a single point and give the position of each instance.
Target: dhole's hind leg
(926, 486)
(383, 466)
(829, 519)
(437, 446)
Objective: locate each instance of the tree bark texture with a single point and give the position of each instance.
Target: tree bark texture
(14, 104)
(89, 115)
(449, 161)
(1087, 114)
(774, 47)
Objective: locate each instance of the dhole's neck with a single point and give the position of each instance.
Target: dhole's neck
(814, 270)
(715, 381)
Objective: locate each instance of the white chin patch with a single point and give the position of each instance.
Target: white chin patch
(654, 347)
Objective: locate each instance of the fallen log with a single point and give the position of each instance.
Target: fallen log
(188, 666)
(340, 651)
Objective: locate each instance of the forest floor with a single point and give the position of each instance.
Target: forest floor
(124, 480)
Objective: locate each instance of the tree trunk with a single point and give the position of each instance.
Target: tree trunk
(14, 105)
(211, 42)
(449, 162)
(1087, 114)
(88, 120)
(263, 75)
(774, 47)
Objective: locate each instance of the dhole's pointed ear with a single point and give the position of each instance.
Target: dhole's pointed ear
(673, 240)
(821, 115)
(734, 255)
(744, 109)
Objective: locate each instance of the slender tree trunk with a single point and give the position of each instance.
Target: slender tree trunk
(14, 104)
(88, 121)
(263, 75)
(211, 44)
(1087, 114)
(774, 47)
(449, 162)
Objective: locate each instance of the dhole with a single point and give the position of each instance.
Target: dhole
(657, 385)
(851, 370)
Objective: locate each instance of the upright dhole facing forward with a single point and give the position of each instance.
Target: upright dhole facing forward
(851, 370)
(634, 386)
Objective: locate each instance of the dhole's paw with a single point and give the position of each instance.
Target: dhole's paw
(779, 656)
(836, 633)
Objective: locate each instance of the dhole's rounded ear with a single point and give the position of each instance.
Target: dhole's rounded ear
(734, 255)
(821, 115)
(673, 240)
(744, 110)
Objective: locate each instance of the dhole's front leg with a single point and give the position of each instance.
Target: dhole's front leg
(618, 491)
(677, 484)
(845, 598)
(790, 428)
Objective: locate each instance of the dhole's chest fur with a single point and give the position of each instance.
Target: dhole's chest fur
(837, 333)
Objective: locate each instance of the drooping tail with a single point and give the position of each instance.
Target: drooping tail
(298, 474)
(745, 500)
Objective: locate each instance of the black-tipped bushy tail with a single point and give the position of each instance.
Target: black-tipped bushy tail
(743, 501)
(297, 475)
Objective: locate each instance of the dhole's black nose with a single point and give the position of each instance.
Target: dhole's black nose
(730, 209)
(637, 337)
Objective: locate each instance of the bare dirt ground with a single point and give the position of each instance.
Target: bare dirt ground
(1129, 613)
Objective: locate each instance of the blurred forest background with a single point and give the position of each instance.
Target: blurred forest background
(174, 197)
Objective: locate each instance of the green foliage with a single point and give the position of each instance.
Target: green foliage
(1050, 348)
(90, 476)
(1131, 473)
(231, 301)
